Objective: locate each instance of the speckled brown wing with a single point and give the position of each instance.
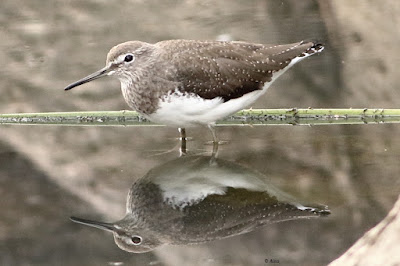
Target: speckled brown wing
(231, 69)
(240, 211)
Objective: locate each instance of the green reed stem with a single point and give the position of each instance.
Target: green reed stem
(245, 117)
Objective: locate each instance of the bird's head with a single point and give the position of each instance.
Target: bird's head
(124, 61)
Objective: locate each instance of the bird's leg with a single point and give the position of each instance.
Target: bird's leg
(215, 139)
(182, 150)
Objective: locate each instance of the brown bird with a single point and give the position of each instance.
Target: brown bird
(185, 83)
(197, 199)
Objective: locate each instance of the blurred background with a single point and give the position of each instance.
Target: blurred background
(48, 173)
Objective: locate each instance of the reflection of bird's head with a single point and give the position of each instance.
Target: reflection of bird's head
(127, 235)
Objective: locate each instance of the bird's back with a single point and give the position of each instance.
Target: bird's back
(228, 70)
(201, 78)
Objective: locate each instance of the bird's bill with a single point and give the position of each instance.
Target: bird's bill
(100, 225)
(98, 74)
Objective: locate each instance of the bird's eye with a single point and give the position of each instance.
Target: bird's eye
(136, 240)
(128, 58)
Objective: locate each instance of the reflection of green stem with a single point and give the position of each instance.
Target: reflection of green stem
(244, 117)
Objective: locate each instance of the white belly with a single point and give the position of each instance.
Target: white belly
(192, 110)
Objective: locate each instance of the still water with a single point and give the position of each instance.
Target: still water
(342, 171)
(50, 173)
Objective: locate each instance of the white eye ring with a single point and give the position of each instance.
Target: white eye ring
(129, 58)
(136, 240)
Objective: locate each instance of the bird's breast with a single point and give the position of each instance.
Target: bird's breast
(139, 96)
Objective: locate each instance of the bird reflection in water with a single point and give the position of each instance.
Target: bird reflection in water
(196, 199)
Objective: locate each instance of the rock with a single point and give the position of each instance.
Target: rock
(379, 246)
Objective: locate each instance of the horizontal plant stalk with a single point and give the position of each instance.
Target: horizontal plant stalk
(292, 116)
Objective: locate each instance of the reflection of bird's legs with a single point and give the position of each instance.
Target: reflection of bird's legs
(215, 139)
(182, 150)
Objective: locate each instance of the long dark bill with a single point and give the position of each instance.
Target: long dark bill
(98, 74)
(100, 225)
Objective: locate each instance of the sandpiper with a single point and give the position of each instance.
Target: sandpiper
(185, 83)
(190, 201)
